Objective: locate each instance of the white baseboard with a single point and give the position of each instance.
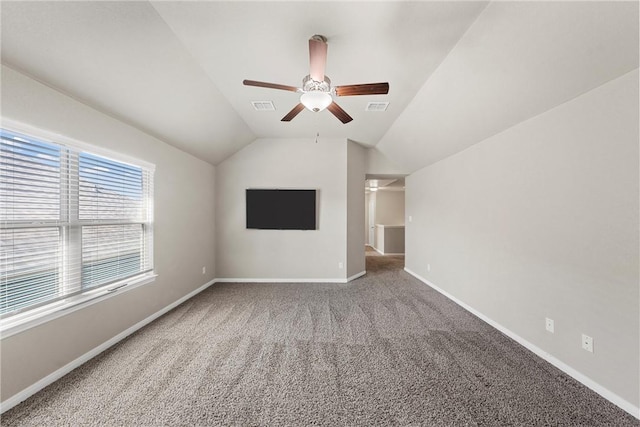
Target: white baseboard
(355, 276)
(281, 280)
(386, 253)
(56, 375)
(602, 391)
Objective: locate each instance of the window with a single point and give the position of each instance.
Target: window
(70, 221)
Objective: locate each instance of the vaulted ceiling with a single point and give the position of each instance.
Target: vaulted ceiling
(458, 71)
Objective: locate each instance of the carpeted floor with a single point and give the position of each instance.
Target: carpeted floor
(382, 350)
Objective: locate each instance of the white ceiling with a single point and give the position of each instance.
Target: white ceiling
(517, 60)
(393, 184)
(458, 71)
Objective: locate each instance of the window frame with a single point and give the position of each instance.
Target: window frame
(29, 317)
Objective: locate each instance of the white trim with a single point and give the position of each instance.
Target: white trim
(56, 375)
(377, 250)
(284, 280)
(56, 138)
(37, 316)
(386, 253)
(355, 276)
(602, 391)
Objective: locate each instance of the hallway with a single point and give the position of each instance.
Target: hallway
(376, 262)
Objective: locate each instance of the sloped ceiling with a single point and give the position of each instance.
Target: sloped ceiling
(123, 59)
(399, 43)
(517, 60)
(458, 71)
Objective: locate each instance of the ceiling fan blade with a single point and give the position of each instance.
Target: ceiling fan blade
(363, 89)
(291, 114)
(337, 111)
(269, 85)
(317, 57)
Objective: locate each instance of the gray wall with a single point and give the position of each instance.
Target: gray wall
(367, 197)
(541, 221)
(390, 239)
(183, 233)
(377, 163)
(283, 254)
(356, 157)
(390, 207)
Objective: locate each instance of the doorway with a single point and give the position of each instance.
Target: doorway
(384, 221)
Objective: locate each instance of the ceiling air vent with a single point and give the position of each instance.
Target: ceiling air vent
(377, 106)
(263, 105)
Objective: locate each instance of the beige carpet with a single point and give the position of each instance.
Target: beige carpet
(382, 350)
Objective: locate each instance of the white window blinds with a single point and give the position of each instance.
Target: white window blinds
(70, 221)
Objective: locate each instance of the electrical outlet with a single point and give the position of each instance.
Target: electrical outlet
(549, 325)
(410, 218)
(204, 270)
(428, 267)
(340, 265)
(587, 343)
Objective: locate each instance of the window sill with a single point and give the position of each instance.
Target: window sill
(32, 318)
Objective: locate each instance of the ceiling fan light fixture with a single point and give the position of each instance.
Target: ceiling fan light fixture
(317, 92)
(316, 101)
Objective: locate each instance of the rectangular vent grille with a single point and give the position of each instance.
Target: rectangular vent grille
(263, 105)
(377, 106)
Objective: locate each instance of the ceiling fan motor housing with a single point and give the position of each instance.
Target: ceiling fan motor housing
(310, 85)
(317, 93)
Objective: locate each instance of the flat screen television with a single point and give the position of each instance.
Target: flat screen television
(277, 209)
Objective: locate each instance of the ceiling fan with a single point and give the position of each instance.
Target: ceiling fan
(317, 92)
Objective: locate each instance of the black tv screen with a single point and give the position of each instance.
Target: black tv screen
(276, 209)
